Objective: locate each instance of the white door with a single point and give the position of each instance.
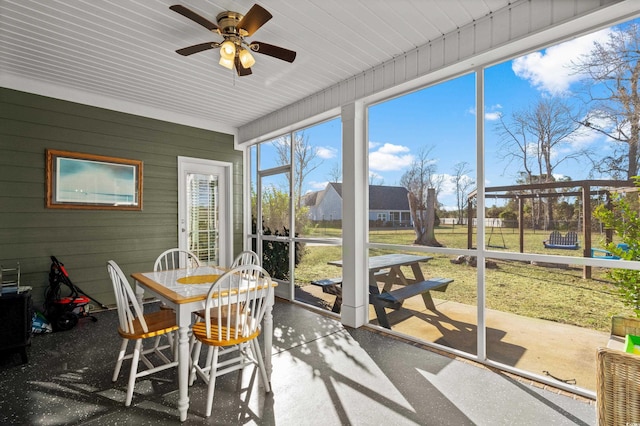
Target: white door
(204, 209)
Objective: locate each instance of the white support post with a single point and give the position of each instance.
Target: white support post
(480, 229)
(355, 276)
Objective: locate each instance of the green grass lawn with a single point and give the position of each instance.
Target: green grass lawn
(551, 293)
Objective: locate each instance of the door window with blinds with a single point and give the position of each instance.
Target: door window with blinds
(203, 213)
(203, 236)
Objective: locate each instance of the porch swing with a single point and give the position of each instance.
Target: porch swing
(564, 242)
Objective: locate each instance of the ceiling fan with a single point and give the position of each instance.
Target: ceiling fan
(234, 27)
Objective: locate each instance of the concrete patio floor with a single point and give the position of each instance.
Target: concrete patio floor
(545, 348)
(324, 374)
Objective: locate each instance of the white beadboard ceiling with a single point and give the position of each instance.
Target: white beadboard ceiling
(121, 54)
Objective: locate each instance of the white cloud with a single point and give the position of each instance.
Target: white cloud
(492, 116)
(549, 71)
(326, 152)
(447, 186)
(376, 178)
(491, 113)
(584, 137)
(390, 157)
(317, 186)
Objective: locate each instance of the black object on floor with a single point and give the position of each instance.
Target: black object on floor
(16, 311)
(63, 312)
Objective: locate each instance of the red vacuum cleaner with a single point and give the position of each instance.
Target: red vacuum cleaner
(64, 310)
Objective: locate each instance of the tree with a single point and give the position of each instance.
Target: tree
(335, 173)
(275, 208)
(375, 179)
(541, 138)
(463, 184)
(623, 218)
(275, 221)
(611, 87)
(305, 156)
(420, 183)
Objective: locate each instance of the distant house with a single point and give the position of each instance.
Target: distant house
(388, 205)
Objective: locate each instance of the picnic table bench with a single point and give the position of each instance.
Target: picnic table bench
(395, 298)
(332, 286)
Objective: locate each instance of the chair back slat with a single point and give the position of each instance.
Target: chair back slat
(127, 304)
(174, 258)
(239, 299)
(247, 257)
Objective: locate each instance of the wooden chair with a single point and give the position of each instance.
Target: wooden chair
(243, 292)
(136, 326)
(247, 257)
(170, 259)
(617, 387)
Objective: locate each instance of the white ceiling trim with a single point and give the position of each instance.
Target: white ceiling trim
(72, 94)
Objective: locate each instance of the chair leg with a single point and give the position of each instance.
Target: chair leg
(121, 355)
(176, 347)
(134, 371)
(171, 339)
(196, 346)
(210, 351)
(257, 353)
(212, 380)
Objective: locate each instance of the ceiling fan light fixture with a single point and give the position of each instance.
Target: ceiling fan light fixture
(235, 51)
(228, 50)
(227, 63)
(246, 58)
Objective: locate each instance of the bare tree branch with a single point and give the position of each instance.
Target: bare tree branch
(305, 156)
(611, 90)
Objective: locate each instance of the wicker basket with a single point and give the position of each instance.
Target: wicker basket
(617, 387)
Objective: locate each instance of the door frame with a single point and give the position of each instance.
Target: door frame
(201, 165)
(285, 288)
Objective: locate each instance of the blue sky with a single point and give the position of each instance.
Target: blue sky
(442, 118)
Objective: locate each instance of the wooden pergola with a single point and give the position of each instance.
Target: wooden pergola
(577, 188)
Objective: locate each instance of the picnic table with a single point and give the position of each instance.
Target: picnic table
(387, 269)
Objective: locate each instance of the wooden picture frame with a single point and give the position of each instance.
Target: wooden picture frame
(92, 182)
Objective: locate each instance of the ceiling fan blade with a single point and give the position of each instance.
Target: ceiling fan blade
(242, 71)
(194, 17)
(256, 17)
(186, 51)
(275, 51)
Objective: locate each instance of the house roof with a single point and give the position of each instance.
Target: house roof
(310, 198)
(380, 197)
(388, 198)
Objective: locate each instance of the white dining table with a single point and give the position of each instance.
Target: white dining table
(185, 291)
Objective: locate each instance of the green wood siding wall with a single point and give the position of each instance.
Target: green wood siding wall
(85, 239)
